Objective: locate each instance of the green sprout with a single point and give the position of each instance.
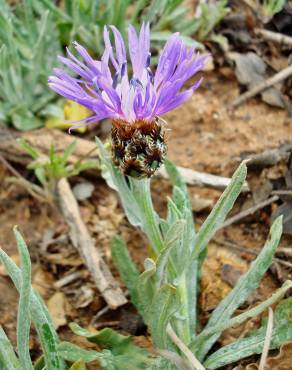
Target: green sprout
(49, 169)
(271, 7)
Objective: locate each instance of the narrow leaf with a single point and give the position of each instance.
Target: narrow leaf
(246, 284)
(119, 351)
(253, 344)
(23, 317)
(73, 353)
(220, 211)
(7, 354)
(127, 268)
(165, 303)
(40, 316)
(40, 364)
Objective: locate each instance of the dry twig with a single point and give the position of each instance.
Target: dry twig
(267, 341)
(201, 179)
(274, 36)
(269, 157)
(68, 279)
(278, 77)
(82, 240)
(249, 211)
(174, 358)
(196, 365)
(34, 190)
(255, 252)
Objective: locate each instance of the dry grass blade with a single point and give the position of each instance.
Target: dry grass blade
(195, 364)
(267, 342)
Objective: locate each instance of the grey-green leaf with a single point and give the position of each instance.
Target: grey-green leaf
(253, 344)
(23, 316)
(126, 266)
(73, 353)
(220, 211)
(7, 354)
(40, 316)
(246, 284)
(165, 303)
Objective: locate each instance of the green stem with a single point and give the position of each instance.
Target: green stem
(150, 218)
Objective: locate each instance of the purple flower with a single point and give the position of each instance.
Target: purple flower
(128, 99)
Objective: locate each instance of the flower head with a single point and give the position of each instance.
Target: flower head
(133, 101)
(141, 96)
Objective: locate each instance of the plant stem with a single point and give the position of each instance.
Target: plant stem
(141, 189)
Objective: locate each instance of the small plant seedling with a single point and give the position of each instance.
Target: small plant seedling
(49, 169)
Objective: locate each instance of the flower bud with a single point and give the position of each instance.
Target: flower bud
(138, 149)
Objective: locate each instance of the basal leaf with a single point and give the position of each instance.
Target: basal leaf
(253, 344)
(7, 354)
(23, 315)
(40, 316)
(245, 285)
(124, 354)
(73, 353)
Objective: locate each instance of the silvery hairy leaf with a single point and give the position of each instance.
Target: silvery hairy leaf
(254, 342)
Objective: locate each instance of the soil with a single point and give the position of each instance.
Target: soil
(205, 136)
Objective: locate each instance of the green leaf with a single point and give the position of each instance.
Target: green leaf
(30, 19)
(73, 353)
(220, 211)
(245, 285)
(164, 304)
(33, 152)
(7, 354)
(23, 316)
(253, 344)
(173, 235)
(29, 49)
(56, 10)
(175, 177)
(123, 353)
(69, 150)
(78, 365)
(40, 364)
(24, 120)
(161, 363)
(106, 338)
(127, 269)
(237, 320)
(146, 286)
(40, 316)
(163, 36)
